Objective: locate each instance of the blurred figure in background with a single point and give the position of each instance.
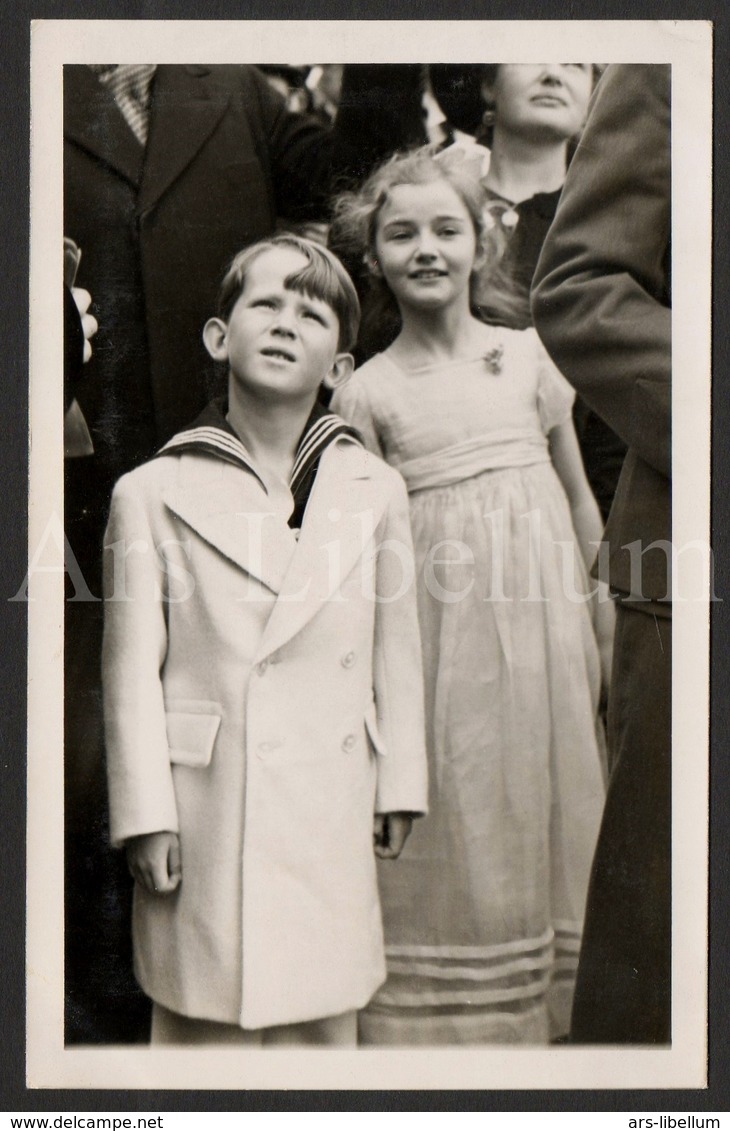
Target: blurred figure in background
(308, 89)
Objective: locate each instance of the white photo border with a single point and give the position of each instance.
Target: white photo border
(687, 46)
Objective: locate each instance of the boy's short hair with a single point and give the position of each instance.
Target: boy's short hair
(323, 278)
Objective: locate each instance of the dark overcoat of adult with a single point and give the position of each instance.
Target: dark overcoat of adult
(157, 226)
(601, 303)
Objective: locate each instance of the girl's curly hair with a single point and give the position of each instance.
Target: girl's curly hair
(355, 215)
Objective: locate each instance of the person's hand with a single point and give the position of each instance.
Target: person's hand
(390, 833)
(154, 861)
(89, 324)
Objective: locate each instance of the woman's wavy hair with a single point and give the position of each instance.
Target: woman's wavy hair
(355, 220)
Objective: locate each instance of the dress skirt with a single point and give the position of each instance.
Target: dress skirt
(484, 908)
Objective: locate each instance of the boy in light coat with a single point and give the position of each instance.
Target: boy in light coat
(262, 679)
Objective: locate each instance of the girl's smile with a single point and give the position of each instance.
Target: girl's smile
(426, 245)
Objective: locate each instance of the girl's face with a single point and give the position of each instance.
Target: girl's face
(425, 245)
(539, 99)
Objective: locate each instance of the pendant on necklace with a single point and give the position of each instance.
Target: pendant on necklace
(493, 359)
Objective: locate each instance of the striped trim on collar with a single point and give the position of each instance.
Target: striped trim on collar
(212, 439)
(318, 434)
(212, 434)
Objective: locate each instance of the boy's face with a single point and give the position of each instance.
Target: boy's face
(278, 343)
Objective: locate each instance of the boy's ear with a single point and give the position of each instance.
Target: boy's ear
(214, 338)
(341, 371)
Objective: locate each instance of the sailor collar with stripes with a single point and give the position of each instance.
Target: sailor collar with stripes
(211, 433)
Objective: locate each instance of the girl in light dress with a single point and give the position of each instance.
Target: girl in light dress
(529, 116)
(483, 910)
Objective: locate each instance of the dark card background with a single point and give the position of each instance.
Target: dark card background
(14, 218)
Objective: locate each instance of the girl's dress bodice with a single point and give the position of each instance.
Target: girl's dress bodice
(445, 422)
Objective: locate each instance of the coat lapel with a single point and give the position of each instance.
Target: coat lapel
(343, 511)
(229, 512)
(93, 121)
(185, 110)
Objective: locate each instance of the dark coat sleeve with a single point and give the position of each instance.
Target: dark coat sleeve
(379, 113)
(601, 301)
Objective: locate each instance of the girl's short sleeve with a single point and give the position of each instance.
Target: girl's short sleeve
(555, 396)
(352, 403)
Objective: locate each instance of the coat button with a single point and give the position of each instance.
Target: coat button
(348, 743)
(348, 660)
(265, 748)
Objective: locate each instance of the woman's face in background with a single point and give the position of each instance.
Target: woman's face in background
(540, 100)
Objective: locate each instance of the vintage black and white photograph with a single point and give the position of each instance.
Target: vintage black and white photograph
(369, 537)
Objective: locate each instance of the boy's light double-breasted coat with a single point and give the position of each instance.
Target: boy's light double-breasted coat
(263, 697)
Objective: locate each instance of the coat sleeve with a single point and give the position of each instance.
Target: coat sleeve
(141, 794)
(380, 112)
(397, 667)
(601, 290)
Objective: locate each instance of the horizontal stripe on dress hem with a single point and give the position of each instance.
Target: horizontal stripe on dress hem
(462, 997)
(515, 946)
(467, 973)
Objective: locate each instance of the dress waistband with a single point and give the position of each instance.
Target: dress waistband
(494, 452)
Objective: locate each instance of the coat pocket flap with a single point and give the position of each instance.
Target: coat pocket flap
(192, 726)
(371, 725)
